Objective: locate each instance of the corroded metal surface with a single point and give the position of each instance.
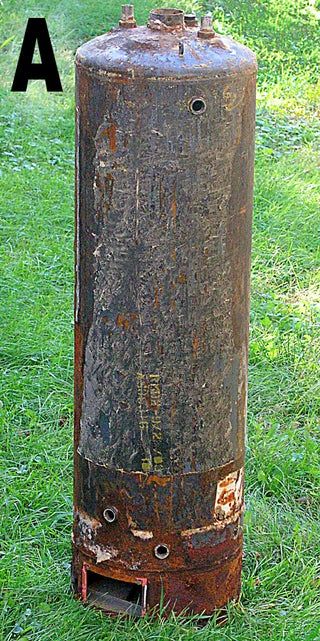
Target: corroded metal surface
(165, 125)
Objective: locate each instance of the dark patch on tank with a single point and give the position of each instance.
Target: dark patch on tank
(104, 427)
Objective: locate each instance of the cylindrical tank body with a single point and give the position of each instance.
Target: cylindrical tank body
(165, 137)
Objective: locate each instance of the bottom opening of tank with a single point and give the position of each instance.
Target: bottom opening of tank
(114, 596)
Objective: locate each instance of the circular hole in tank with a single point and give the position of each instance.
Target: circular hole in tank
(161, 551)
(197, 105)
(110, 514)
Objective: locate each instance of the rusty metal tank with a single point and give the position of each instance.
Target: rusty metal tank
(165, 143)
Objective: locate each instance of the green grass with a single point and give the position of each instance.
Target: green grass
(281, 580)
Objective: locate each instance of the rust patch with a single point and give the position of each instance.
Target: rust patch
(195, 345)
(182, 278)
(229, 498)
(162, 481)
(174, 206)
(111, 132)
(86, 535)
(173, 304)
(156, 298)
(125, 321)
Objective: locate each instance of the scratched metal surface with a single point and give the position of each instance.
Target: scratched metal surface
(165, 361)
(163, 217)
(146, 53)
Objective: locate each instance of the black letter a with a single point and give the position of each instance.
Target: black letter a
(36, 31)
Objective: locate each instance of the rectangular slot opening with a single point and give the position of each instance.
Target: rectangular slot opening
(115, 596)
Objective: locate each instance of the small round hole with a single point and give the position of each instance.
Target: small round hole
(197, 106)
(161, 551)
(110, 514)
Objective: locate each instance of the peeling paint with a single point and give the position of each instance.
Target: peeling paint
(86, 534)
(142, 534)
(105, 554)
(229, 496)
(87, 526)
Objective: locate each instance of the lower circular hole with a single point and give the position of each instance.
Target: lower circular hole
(110, 514)
(197, 106)
(161, 551)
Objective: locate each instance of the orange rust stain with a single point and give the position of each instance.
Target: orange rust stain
(174, 207)
(182, 278)
(225, 482)
(122, 321)
(111, 132)
(156, 298)
(173, 304)
(243, 210)
(159, 480)
(195, 345)
(227, 497)
(125, 322)
(147, 400)
(131, 523)
(123, 80)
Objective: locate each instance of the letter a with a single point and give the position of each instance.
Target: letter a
(36, 32)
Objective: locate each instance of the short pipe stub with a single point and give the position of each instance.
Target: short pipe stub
(166, 19)
(110, 514)
(161, 551)
(190, 20)
(127, 20)
(206, 29)
(197, 106)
